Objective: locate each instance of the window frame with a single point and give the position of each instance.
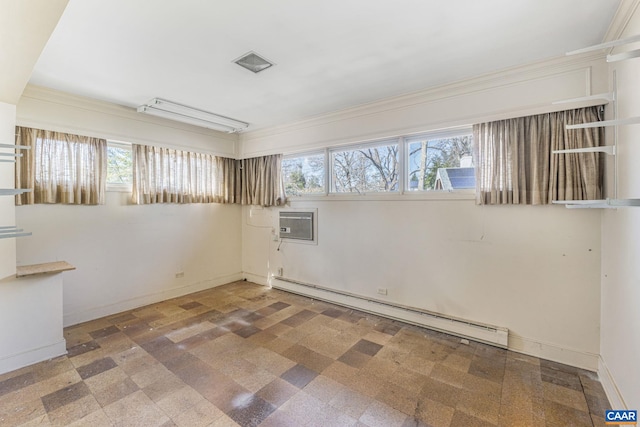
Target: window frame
(119, 187)
(322, 152)
(359, 146)
(443, 134)
(403, 193)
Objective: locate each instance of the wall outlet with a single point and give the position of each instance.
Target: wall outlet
(280, 272)
(382, 291)
(179, 274)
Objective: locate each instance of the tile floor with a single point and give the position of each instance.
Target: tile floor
(242, 354)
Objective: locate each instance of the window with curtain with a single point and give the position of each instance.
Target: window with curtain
(61, 168)
(164, 175)
(515, 164)
(262, 183)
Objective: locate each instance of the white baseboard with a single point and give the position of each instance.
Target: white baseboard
(29, 357)
(553, 352)
(107, 310)
(517, 343)
(489, 334)
(610, 388)
(254, 278)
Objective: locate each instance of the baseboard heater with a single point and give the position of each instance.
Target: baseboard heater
(489, 334)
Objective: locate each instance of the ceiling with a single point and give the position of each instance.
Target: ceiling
(329, 54)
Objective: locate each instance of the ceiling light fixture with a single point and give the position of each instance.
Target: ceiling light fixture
(193, 116)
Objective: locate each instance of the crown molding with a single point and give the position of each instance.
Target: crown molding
(53, 96)
(621, 19)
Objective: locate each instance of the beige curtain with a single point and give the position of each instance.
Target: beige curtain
(515, 164)
(163, 175)
(228, 179)
(262, 183)
(60, 168)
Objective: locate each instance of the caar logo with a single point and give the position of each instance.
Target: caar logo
(620, 417)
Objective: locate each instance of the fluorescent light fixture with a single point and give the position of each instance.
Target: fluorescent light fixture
(193, 116)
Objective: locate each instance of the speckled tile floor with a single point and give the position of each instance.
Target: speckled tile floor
(243, 354)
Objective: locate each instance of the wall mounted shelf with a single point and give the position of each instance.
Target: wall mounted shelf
(615, 122)
(7, 232)
(598, 204)
(606, 45)
(11, 231)
(624, 56)
(19, 147)
(13, 191)
(615, 202)
(601, 97)
(608, 149)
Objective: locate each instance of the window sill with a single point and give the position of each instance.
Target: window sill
(408, 196)
(117, 188)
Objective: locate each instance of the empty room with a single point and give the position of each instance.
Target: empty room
(305, 213)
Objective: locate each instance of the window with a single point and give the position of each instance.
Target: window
(60, 167)
(440, 163)
(439, 160)
(119, 166)
(165, 175)
(304, 174)
(365, 169)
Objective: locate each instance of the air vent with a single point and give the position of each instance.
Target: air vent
(253, 62)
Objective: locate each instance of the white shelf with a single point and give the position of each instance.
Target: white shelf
(627, 121)
(13, 191)
(609, 149)
(11, 231)
(604, 97)
(598, 204)
(623, 56)
(606, 45)
(19, 147)
(12, 235)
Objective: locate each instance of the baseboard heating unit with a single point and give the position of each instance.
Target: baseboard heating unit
(489, 334)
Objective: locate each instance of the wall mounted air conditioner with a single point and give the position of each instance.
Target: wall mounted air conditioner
(297, 225)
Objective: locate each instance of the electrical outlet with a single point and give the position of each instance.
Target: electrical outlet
(280, 272)
(382, 291)
(179, 274)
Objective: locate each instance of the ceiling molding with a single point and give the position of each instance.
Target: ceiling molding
(621, 19)
(50, 109)
(502, 78)
(83, 103)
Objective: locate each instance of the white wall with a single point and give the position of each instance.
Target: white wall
(127, 255)
(620, 346)
(534, 270)
(31, 310)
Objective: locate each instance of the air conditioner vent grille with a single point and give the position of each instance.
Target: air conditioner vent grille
(253, 62)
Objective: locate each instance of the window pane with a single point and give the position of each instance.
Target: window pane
(119, 170)
(304, 174)
(440, 164)
(365, 170)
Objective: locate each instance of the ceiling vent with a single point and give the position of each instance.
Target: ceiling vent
(253, 62)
